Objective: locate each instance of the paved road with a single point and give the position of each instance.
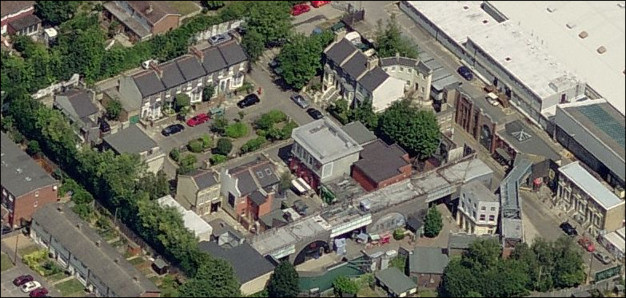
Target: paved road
(7, 289)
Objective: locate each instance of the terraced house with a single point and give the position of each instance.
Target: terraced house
(145, 94)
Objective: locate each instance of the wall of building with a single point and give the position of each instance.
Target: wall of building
(25, 205)
(166, 24)
(430, 281)
(16, 16)
(155, 161)
(370, 185)
(614, 218)
(256, 285)
(472, 120)
(338, 168)
(206, 197)
(389, 91)
(186, 191)
(266, 207)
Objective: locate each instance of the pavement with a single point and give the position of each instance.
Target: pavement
(316, 17)
(7, 289)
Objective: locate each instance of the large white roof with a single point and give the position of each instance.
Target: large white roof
(525, 58)
(559, 23)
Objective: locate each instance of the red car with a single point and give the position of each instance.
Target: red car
(299, 9)
(40, 292)
(198, 119)
(22, 279)
(318, 4)
(587, 244)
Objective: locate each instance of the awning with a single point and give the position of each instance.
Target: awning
(296, 184)
(363, 237)
(306, 186)
(503, 154)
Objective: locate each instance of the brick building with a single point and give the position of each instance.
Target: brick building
(471, 117)
(25, 185)
(142, 20)
(15, 10)
(381, 165)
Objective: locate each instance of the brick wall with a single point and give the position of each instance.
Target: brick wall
(26, 205)
(370, 185)
(471, 119)
(168, 23)
(430, 281)
(266, 207)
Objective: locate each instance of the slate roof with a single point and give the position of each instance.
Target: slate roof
(148, 83)
(463, 241)
(428, 260)
(190, 67)
(11, 7)
(380, 161)
(373, 79)
(233, 53)
(24, 22)
(160, 9)
(213, 60)
(254, 175)
(389, 61)
(81, 243)
(20, 173)
(257, 197)
(356, 66)
(130, 140)
(172, 76)
(395, 280)
(247, 263)
(340, 51)
(80, 100)
(359, 132)
(204, 179)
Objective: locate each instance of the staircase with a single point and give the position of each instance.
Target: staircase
(330, 96)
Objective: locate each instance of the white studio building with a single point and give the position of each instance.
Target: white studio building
(201, 229)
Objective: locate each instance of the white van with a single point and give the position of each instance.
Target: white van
(492, 98)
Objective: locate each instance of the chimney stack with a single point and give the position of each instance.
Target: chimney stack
(197, 53)
(371, 63)
(149, 9)
(136, 278)
(78, 226)
(98, 243)
(156, 68)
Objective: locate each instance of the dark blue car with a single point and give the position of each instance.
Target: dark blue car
(465, 72)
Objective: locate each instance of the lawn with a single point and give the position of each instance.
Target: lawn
(184, 7)
(70, 287)
(28, 250)
(427, 293)
(6, 262)
(57, 276)
(136, 261)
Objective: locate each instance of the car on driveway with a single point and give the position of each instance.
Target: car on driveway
(41, 292)
(29, 286)
(587, 244)
(568, 229)
(250, 99)
(300, 101)
(198, 119)
(220, 38)
(315, 114)
(22, 279)
(318, 4)
(172, 129)
(299, 9)
(602, 257)
(465, 72)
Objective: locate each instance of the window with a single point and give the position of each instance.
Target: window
(493, 208)
(35, 204)
(474, 214)
(231, 200)
(483, 208)
(408, 83)
(36, 194)
(482, 217)
(401, 68)
(492, 217)
(393, 68)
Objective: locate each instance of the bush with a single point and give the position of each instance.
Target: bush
(433, 223)
(398, 234)
(113, 109)
(224, 146)
(253, 144)
(175, 154)
(195, 146)
(237, 130)
(187, 164)
(33, 147)
(219, 125)
(344, 285)
(182, 100)
(207, 141)
(217, 159)
(267, 120)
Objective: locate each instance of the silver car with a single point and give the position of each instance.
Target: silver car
(300, 101)
(220, 38)
(602, 257)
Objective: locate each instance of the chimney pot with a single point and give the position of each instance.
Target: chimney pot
(149, 9)
(98, 243)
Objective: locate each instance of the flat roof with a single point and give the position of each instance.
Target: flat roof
(130, 140)
(616, 240)
(457, 19)
(525, 58)
(325, 140)
(479, 192)
(191, 220)
(590, 185)
(523, 139)
(277, 238)
(558, 24)
(602, 120)
(395, 280)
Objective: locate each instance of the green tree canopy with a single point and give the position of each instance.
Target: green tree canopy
(433, 223)
(415, 130)
(213, 279)
(344, 285)
(390, 41)
(224, 146)
(182, 100)
(300, 59)
(208, 92)
(284, 282)
(113, 109)
(56, 12)
(212, 5)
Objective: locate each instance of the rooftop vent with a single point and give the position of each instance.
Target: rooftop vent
(465, 7)
(521, 135)
(19, 170)
(570, 25)
(28, 179)
(551, 9)
(98, 243)
(507, 58)
(583, 34)
(485, 21)
(601, 50)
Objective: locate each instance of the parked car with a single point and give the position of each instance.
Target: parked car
(250, 99)
(220, 38)
(41, 292)
(300, 207)
(300, 101)
(29, 286)
(299, 9)
(172, 129)
(22, 279)
(602, 257)
(568, 229)
(465, 72)
(587, 244)
(318, 4)
(273, 64)
(315, 114)
(492, 98)
(198, 119)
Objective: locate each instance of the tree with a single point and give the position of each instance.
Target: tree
(343, 285)
(253, 144)
(56, 12)
(415, 130)
(214, 279)
(568, 268)
(219, 125)
(208, 92)
(207, 141)
(113, 109)
(458, 280)
(182, 100)
(300, 58)
(253, 43)
(187, 164)
(390, 41)
(285, 182)
(432, 223)
(365, 114)
(195, 146)
(33, 148)
(212, 5)
(224, 146)
(284, 282)
(236, 130)
(271, 19)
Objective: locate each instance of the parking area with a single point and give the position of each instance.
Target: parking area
(323, 16)
(10, 290)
